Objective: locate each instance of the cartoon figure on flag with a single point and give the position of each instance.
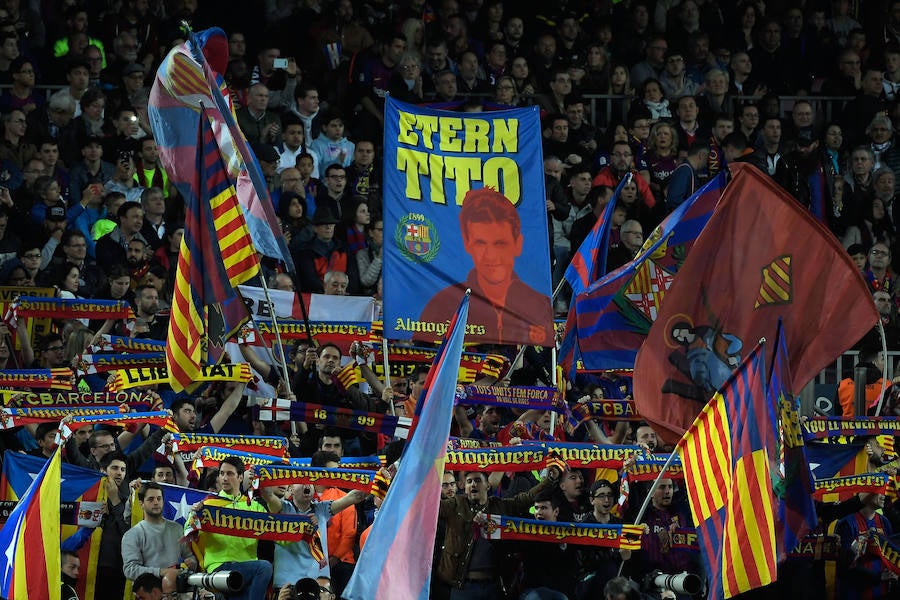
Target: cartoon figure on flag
(705, 355)
(463, 196)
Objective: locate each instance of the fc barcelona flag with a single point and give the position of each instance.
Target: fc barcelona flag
(191, 76)
(726, 464)
(30, 562)
(216, 255)
(762, 257)
(465, 208)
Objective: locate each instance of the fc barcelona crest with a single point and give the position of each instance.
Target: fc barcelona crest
(417, 238)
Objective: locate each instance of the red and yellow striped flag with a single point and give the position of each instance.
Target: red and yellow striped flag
(727, 475)
(216, 255)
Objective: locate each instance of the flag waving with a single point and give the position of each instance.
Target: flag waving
(30, 564)
(726, 470)
(762, 257)
(793, 479)
(393, 564)
(589, 262)
(610, 320)
(191, 76)
(216, 255)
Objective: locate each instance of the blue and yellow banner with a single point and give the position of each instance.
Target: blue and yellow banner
(464, 196)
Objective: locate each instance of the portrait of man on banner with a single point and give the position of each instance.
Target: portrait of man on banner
(464, 197)
(507, 308)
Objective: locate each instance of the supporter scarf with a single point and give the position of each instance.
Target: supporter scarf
(270, 446)
(258, 526)
(380, 485)
(589, 456)
(455, 443)
(889, 551)
(506, 458)
(291, 329)
(825, 427)
(607, 410)
(58, 379)
(501, 527)
(472, 366)
(14, 417)
(160, 418)
(348, 479)
(853, 484)
(647, 468)
(62, 399)
(279, 409)
(212, 456)
(817, 547)
(73, 308)
(366, 463)
(83, 513)
(526, 398)
(101, 363)
(124, 379)
(119, 343)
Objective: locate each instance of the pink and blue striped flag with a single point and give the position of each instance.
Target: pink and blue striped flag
(191, 76)
(589, 261)
(395, 563)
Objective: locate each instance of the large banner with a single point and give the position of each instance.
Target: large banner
(465, 208)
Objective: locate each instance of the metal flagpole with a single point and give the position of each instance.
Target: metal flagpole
(640, 515)
(283, 361)
(386, 366)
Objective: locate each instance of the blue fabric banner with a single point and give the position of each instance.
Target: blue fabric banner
(465, 207)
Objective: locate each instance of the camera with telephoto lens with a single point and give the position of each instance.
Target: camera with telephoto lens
(681, 583)
(220, 581)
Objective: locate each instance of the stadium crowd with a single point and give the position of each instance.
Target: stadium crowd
(669, 90)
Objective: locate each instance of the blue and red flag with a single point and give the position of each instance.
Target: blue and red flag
(393, 565)
(589, 261)
(191, 76)
(30, 563)
(793, 481)
(817, 197)
(613, 316)
(727, 459)
(216, 255)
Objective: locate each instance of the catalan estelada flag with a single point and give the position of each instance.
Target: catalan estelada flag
(30, 562)
(589, 261)
(393, 565)
(727, 474)
(216, 255)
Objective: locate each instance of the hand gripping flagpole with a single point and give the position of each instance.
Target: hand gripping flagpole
(640, 515)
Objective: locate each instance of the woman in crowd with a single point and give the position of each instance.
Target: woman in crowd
(651, 95)
(662, 157)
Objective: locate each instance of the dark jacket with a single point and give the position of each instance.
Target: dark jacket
(459, 538)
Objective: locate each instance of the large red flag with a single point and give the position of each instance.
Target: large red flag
(761, 257)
